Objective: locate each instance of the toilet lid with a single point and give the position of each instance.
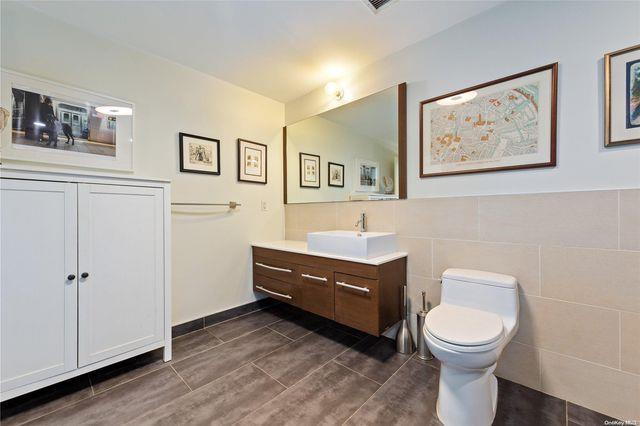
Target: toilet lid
(464, 326)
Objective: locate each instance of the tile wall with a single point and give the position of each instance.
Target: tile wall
(576, 256)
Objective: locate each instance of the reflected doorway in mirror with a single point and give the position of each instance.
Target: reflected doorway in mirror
(336, 175)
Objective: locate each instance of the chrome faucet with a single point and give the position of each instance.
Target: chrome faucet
(361, 224)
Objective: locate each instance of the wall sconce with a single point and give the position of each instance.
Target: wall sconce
(334, 90)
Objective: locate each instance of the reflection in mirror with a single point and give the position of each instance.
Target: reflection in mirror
(348, 153)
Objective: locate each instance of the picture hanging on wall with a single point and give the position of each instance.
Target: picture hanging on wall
(199, 154)
(367, 176)
(58, 124)
(505, 124)
(252, 162)
(622, 97)
(336, 175)
(309, 170)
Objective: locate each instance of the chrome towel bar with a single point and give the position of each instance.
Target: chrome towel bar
(230, 204)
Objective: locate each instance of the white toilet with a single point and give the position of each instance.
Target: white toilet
(476, 318)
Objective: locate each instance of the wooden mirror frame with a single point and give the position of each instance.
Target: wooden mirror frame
(402, 149)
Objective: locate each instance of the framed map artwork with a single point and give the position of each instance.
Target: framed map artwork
(506, 124)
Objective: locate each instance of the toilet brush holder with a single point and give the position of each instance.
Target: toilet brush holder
(404, 341)
(423, 349)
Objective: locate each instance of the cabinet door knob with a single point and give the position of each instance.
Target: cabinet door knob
(71, 277)
(84, 274)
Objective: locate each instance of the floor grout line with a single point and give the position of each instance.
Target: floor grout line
(254, 364)
(277, 332)
(181, 378)
(55, 410)
(377, 390)
(296, 383)
(358, 373)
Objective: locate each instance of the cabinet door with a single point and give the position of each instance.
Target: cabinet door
(356, 302)
(39, 285)
(120, 261)
(316, 286)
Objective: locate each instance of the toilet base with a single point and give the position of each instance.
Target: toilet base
(467, 396)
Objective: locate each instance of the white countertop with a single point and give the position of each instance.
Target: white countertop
(300, 247)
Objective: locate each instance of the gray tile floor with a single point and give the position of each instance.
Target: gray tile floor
(277, 366)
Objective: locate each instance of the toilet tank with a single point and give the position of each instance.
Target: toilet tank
(487, 291)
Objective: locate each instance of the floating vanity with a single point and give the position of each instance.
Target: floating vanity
(360, 292)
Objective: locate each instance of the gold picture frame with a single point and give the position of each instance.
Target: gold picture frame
(609, 138)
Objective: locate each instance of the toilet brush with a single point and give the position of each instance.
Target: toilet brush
(423, 349)
(404, 341)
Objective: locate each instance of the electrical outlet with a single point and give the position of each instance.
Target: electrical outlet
(263, 206)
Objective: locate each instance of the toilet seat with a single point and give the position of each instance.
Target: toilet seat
(464, 329)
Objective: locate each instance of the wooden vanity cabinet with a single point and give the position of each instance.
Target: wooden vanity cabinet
(363, 296)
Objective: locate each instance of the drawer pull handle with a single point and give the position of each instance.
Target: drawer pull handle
(273, 267)
(286, 296)
(355, 287)
(313, 277)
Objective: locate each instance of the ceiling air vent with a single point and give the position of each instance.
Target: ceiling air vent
(377, 5)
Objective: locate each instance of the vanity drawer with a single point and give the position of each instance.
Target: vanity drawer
(356, 302)
(316, 288)
(279, 290)
(275, 268)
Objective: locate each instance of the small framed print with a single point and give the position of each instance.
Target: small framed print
(367, 177)
(336, 175)
(199, 154)
(252, 162)
(622, 97)
(309, 170)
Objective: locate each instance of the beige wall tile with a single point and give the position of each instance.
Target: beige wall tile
(416, 286)
(606, 278)
(630, 219)
(316, 217)
(521, 261)
(295, 234)
(583, 219)
(291, 216)
(380, 215)
(521, 364)
(599, 388)
(453, 218)
(585, 332)
(630, 344)
(419, 261)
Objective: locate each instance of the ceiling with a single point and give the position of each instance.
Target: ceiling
(280, 49)
(374, 116)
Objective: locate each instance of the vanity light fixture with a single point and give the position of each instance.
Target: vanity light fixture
(458, 99)
(334, 90)
(114, 110)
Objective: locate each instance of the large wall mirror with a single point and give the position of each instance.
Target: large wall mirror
(354, 152)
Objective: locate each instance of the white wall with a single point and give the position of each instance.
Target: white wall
(333, 143)
(510, 38)
(210, 251)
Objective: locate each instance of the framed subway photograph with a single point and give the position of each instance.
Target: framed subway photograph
(336, 175)
(367, 175)
(505, 124)
(252, 162)
(199, 154)
(58, 124)
(309, 170)
(622, 97)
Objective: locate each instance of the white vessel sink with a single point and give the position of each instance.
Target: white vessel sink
(365, 245)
